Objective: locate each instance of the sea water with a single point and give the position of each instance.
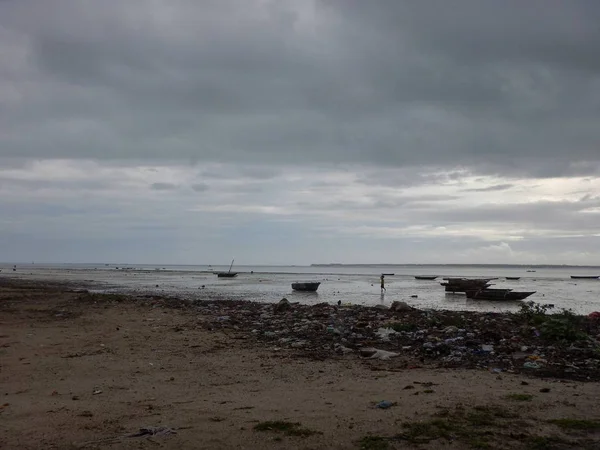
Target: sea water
(354, 284)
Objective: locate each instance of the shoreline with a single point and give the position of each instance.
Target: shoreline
(82, 370)
(581, 296)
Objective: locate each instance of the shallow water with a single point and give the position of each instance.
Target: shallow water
(348, 284)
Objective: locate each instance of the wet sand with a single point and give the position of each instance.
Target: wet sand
(81, 374)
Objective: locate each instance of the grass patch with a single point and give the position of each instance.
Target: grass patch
(577, 424)
(520, 397)
(431, 430)
(496, 411)
(374, 443)
(287, 428)
(478, 443)
(547, 443)
(473, 427)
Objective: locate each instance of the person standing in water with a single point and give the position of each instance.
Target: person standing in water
(382, 279)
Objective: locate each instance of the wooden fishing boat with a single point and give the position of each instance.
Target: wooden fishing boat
(228, 274)
(513, 278)
(425, 277)
(498, 294)
(465, 284)
(585, 277)
(307, 286)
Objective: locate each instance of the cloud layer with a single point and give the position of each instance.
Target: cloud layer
(381, 83)
(300, 130)
(90, 211)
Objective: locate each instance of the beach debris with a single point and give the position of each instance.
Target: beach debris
(339, 348)
(424, 338)
(385, 333)
(400, 306)
(385, 404)
(374, 353)
(283, 305)
(531, 365)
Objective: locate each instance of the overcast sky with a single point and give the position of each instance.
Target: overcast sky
(300, 131)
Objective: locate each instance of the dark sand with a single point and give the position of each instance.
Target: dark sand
(81, 374)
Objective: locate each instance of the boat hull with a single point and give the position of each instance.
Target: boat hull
(306, 287)
(585, 277)
(464, 284)
(425, 277)
(227, 274)
(498, 294)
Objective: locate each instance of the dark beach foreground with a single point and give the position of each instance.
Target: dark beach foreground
(81, 370)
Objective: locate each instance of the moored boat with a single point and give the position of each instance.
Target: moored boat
(307, 286)
(465, 284)
(513, 278)
(585, 277)
(425, 277)
(498, 294)
(228, 274)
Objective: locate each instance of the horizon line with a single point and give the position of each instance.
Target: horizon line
(308, 265)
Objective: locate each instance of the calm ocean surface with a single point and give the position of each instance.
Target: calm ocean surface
(350, 284)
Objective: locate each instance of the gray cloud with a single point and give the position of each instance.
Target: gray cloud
(389, 83)
(427, 127)
(200, 187)
(325, 212)
(496, 187)
(163, 186)
(565, 217)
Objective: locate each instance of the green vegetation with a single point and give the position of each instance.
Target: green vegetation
(474, 427)
(374, 443)
(534, 313)
(520, 397)
(485, 427)
(577, 424)
(561, 327)
(547, 443)
(426, 431)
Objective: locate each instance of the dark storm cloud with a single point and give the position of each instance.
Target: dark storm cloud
(501, 87)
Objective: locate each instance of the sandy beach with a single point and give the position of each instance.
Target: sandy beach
(90, 371)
